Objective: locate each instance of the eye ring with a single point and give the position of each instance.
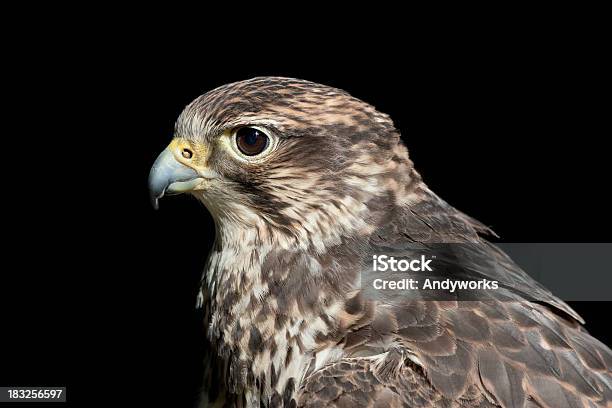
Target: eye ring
(251, 142)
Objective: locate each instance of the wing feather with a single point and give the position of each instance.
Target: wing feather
(516, 347)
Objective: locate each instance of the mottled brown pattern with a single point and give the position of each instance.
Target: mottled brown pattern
(287, 323)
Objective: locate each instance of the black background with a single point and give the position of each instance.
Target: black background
(100, 290)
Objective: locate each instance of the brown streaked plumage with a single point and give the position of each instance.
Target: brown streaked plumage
(288, 323)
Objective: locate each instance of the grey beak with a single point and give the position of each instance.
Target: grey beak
(169, 176)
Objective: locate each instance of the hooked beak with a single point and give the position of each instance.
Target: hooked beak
(169, 176)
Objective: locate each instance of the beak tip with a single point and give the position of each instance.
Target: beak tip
(155, 203)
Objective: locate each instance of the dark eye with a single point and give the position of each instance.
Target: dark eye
(251, 141)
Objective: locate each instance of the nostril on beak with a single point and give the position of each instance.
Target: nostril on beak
(188, 154)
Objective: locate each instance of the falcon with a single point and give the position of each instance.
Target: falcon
(305, 184)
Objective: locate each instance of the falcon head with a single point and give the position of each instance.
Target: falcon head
(284, 156)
